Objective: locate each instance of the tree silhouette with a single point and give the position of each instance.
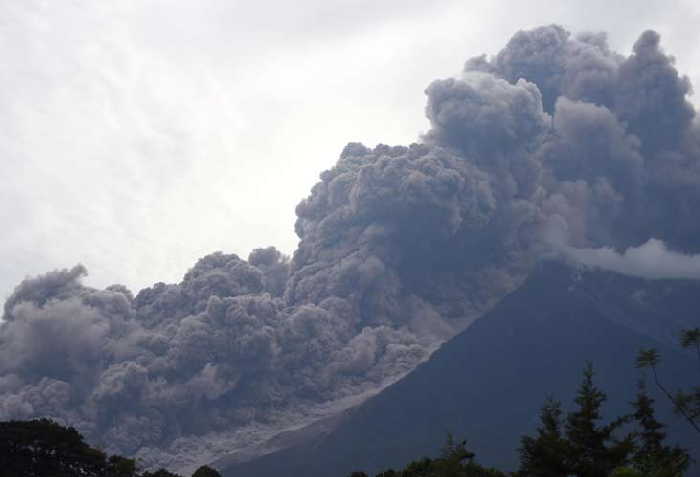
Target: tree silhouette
(545, 455)
(593, 450)
(42, 447)
(652, 456)
(685, 402)
(455, 461)
(159, 473)
(578, 445)
(206, 471)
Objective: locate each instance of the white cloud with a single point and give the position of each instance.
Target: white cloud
(650, 260)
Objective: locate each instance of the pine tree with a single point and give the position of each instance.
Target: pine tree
(545, 455)
(651, 456)
(593, 450)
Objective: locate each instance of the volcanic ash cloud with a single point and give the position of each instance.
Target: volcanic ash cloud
(556, 140)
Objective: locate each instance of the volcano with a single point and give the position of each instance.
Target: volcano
(488, 383)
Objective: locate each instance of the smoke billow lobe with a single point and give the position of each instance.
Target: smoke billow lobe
(555, 140)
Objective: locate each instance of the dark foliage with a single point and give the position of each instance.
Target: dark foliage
(575, 445)
(159, 473)
(44, 448)
(206, 471)
(580, 446)
(456, 461)
(652, 456)
(685, 401)
(545, 455)
(593, 450)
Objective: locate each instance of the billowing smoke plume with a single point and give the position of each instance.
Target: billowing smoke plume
(555, 140)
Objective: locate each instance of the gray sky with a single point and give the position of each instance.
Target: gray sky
(137, 136)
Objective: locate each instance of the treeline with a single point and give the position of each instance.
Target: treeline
(579, 444)
(43, 448)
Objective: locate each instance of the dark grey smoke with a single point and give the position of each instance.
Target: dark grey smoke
(556, 143)
(621, 159)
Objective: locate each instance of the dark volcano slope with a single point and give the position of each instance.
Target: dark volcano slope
(488, 383)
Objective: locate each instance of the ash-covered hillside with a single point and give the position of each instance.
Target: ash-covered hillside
(555, 145)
